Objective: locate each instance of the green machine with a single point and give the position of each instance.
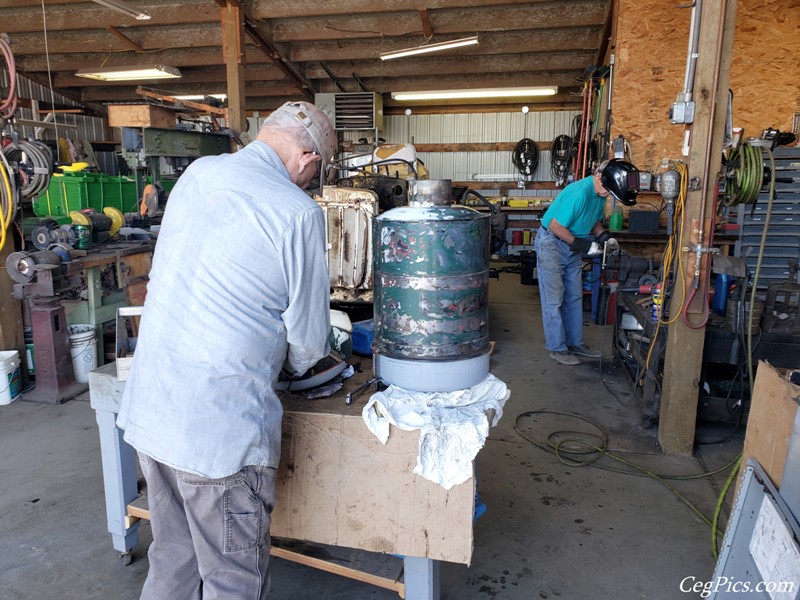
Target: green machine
(144, 149)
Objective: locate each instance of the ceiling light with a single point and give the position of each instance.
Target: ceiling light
(130, 73)
(479, 93)
(124, 8)
(470, 41)
(201, 96)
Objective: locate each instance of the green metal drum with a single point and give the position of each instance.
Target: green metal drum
(431, 281)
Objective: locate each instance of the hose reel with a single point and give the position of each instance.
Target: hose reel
(525, 157)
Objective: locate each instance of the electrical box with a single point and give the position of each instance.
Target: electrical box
(681, 111)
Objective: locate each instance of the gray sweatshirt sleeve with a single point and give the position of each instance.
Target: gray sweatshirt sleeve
(307, 317)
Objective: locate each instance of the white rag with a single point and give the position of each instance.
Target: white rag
(453, 425)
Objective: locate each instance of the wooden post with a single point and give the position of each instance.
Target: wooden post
(233, 51)
(685, 343)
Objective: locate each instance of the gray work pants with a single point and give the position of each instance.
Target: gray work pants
(210, 536)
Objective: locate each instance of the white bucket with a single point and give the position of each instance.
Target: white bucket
(10, 382)
(83, 349)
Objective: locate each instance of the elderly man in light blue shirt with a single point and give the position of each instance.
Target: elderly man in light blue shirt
(239, 289)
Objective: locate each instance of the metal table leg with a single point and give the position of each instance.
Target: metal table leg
(119, 481)
(421, 578)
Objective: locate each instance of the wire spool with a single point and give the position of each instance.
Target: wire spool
(35, 166)
(745, 174)
(560, 158)
(8, 98)
(737, 316)
(526, 157)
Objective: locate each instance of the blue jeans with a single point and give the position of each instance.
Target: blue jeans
(559, 274)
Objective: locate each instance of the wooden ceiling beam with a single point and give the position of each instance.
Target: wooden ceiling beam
(215, 74)
(280, 9)
(536, 61)
(261, 35)
(445, 82)
(64, 18)
(427, 30)
(493, 42)
(545, 15)
(22, 3)
(125, 40)
(100, 40)
(128, 92)
(175, 57)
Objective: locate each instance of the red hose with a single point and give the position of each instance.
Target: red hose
(9, 106)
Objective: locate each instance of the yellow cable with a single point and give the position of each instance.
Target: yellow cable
(666, 262)
(5, 215)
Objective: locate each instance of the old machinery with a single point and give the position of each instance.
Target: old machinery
(40, 278)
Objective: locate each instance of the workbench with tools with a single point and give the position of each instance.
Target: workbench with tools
(337, 486)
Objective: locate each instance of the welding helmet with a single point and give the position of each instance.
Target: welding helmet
(621, 178)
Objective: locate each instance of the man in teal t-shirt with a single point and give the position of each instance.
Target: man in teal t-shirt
(561, 242)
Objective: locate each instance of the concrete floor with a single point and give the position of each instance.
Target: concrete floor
(550, 532)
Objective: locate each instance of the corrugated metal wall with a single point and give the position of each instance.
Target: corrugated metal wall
(472, 128)
(91, 129)
(479, 128)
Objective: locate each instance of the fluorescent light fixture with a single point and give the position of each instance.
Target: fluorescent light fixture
(470, 41)
(478, 93)
(124, 8)
(131, 73)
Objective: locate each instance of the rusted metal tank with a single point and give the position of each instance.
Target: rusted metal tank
(348, 216)
(431, 292)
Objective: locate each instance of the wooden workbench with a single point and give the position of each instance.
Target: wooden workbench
(132, 261)
(337, 485)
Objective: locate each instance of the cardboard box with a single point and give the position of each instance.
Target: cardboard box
(125, 346)
(338, 485)
(140, 115)
(770, 423)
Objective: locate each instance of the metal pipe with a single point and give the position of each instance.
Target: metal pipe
(691, 54)
(710, 138)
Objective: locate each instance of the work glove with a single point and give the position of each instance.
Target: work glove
(584, 246)
(603, 237)
(612, 245)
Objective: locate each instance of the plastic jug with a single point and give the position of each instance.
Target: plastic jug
(721, 287)
(615, 222)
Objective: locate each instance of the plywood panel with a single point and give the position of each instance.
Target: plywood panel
(765, 73)
(770, 422)
(339, 485)
(652, 37)
(651, 43)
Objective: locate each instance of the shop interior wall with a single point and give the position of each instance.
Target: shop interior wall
(650, 47)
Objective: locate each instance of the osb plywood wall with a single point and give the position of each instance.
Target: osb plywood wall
(650, 58)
